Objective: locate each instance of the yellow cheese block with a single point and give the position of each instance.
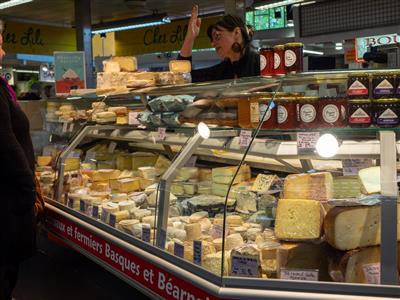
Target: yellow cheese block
(143, 160)
(162, 163)
(225, 175)
(100, 186)
(43, 160)
(105, 174)
(126, 63)
(298, 219)
(316, 186)
(180, 66)
(124, 161)
(127, 185)
(205, 174)
(72, 164)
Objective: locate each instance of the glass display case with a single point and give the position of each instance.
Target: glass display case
(259, 187)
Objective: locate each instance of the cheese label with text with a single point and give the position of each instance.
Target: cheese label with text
(178, 249)
(384, 88)
(146, 233)
(357, 88)
(372, 273)
(388, 117)
(245, 265)
(360, 117)
(299, 274)
(197, 249)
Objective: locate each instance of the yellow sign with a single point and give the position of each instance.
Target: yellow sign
(162, 38)
(37, 39)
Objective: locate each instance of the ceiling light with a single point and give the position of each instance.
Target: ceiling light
(12, 3)
(203, 130)
(140, 22)
(339, 46)
(313, 52)
(278, 4)
(327, 145)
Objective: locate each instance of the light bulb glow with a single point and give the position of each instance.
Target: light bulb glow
(327, 145)
(203, 130)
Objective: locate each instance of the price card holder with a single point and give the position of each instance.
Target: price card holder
(132, 118)
(245, 266)
(197, 249)
(105, 216)
(352, 166)
(179, 249)
(299, 274)
(244, 138)
(113, 220)
(306, 142)
(146, 233)
(162, 239)
(111, 147)
(71, 127)
(95, 212)
(82, 206)
(372, 273)
(162, 132)
(65, 127)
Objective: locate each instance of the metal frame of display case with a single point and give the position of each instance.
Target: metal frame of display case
(285, 154)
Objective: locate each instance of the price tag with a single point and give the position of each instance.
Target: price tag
(95, 212)
(65, 127)
(191, 162)
(111, 147)
(162, 239)
(70, 202)
(146, 233)
(244, 138)
(71, 127)
(162, 133)
(372, 273)
(245, 266)
(132, 118)
(352, 166)
(306, 142)
(113, 220)
(105, 215)
(299, 274)
(178, 249)
(197, 252)
(82, 206)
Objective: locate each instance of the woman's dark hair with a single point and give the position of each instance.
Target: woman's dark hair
(229, 23)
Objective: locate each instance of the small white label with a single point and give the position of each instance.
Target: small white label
(388, 114)
(385, 84)
(263, 62)
(352, 166)
(197, 249)
(111, 147)
(306, 141)
(360, 113)
(65, 127)
(254, 112)
(357, 86)
(132, 118)
(179, 249)
(146, 233)
(299, 274)
(282, 114)
(71, 127)
(277, 61)
(263, 108)
(372, 273)
(162, 133)
(290, 58)
(330, 113)
(308, 113)
(245, 266)
(244, 138)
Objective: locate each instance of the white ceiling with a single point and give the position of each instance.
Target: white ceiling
(61, 12)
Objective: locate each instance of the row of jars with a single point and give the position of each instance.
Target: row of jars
(379, 85)
(313, 112)
(281, 59)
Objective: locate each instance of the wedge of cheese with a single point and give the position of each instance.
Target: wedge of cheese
(43, 160)
(298, 219)
(127, 185)
(263, 183)
(126, 63)
(142, 159)
(225, 175)
(316, 186)
(370, 179)
(124, 161)
(105, 174)
(355, 227)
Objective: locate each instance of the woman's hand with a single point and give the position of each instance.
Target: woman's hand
(194, 24)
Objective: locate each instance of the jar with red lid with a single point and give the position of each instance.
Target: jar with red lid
(308, 108)
(332, 112)
(267, 61)
(294, 57)
(270, 120)
(286, 109)
(358, 86)
(359, 112)
(279, 60)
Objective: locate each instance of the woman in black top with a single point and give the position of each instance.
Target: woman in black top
(17, 187)
(231, 39)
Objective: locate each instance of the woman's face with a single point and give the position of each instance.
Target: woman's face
(222, 41)
(2, 52)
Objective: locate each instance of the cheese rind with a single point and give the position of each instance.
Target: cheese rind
(298, 219)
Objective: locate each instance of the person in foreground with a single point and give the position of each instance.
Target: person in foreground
(232, 41)
(17, 188)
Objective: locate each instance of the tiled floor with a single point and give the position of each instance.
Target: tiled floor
(58, 273)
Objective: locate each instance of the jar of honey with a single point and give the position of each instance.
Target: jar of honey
(308, 108)
(286, 109)
(267, 61)
(279, 60)
(294, 57)
(249, 112)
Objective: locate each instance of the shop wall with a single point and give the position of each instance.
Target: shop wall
(162, 38)
(37, 39)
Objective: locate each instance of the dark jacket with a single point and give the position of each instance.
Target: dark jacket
(248, 65)
(17, 188)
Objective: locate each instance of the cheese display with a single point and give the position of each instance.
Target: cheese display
(370, 179)
(354, 227)
(225, 175)
(315, 186)
(298, 219)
